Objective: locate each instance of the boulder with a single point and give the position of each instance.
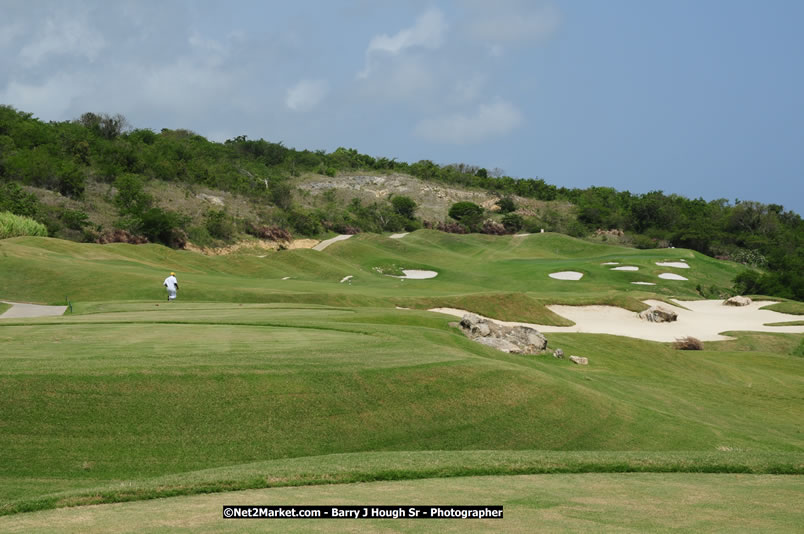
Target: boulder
(500, 344)
(737, 301)
(474, 326)
(515, 340)
(469, 320)
(528, 338)
(580, 360)
(658, 314)
(558, 353)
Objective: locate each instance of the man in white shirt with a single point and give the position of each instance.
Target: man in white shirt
(172, 286)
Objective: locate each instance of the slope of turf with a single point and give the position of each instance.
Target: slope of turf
(125, 395)
(247, 368)
(542, 503)
(477, 271)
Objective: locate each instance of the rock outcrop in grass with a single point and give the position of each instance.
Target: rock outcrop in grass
(511, 339)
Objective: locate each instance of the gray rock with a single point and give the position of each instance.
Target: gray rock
(481, 329)
(515, 340)
(528, 338)
(469, 320)
(658, 314)
(580, 360)
(500, 344)
(737, 301)
(558, 353)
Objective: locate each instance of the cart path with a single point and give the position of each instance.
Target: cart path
(20, 309)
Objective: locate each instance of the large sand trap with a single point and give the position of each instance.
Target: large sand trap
(416, 274)
(677, 264)
(20, 310)
(626, 268)
(672, 276)
(324, 244)
(704, 319)
(566, 275)
(398, 236)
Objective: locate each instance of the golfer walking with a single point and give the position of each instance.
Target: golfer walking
(172, 286)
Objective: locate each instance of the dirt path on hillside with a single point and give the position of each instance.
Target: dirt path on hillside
(324, 244)
(21, 310)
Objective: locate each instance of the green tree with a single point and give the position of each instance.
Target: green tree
(131, 198)
(404, 206)
(507, 205)
(468, 214)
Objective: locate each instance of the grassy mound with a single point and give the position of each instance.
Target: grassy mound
(250, 380)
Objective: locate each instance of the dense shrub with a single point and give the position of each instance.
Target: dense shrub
(16, 225)
(162, 226)
(273, 233)
(493, 228)
(513, 222)
(15, 200)
(404, 206)
(219, 224)
(506, 205)
(688, 343)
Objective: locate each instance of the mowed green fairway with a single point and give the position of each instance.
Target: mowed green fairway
(134, 398)
(636, 502)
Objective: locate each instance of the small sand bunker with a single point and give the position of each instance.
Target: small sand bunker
(566, 275)
(626, 268)
(415, 274)
(521, 235)
(611, 263)
(398, 236)
(286, 278)
(346, 278)
(677, 264)
(672, 276)
(703, 319)
(643, 283)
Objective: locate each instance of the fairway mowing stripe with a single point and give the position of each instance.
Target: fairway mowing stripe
(160, 488)
(202, 323)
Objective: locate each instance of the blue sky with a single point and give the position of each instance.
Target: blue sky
(700, 98)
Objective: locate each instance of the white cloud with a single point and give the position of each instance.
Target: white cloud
(517, 23)
(306, 94)
(469, 89)
(186, 86)
(70, 36)
(428, 32)
(51, 99)
(9, 33)
(491, 120)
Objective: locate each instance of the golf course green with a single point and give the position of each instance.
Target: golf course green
(270, 370)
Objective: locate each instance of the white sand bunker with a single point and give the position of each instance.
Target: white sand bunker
(566, 275)
(643, 283)
(704, 319)
(346, 278)
(626, 268)
(611, 263)
(415, 274)
(677, 264)
(672, 276)
(398, 236)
